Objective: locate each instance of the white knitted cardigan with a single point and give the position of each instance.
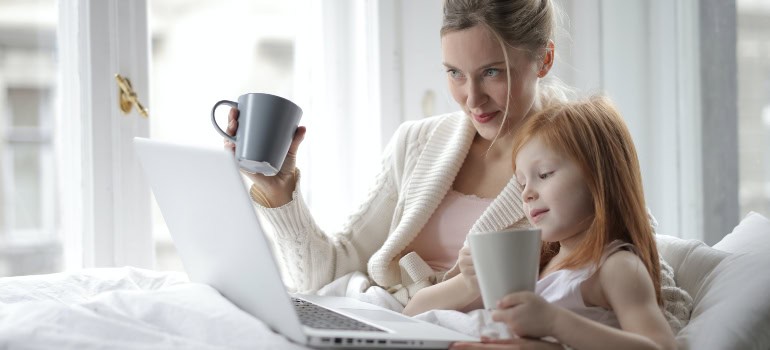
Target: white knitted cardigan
(418, 168)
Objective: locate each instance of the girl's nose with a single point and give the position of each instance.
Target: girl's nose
(528, 194)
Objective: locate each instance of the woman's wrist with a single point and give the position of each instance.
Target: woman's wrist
(278, 194)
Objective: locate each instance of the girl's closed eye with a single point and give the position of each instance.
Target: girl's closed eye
(545, 175)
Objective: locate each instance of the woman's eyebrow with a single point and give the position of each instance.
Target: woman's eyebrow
(492, 64)
(480, 68)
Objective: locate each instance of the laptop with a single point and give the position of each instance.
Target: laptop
(221, 243)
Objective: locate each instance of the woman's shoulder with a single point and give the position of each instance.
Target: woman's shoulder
(413, 137)
(424, 126)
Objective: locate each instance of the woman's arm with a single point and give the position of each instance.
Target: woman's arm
(314, 258)
(452, 294)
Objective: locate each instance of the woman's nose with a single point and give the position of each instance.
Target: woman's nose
(476, 95)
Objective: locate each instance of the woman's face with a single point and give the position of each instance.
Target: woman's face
(477, 76)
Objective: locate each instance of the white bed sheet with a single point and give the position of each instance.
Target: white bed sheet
(124, 308)
(132, 308)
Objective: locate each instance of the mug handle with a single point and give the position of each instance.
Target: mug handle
(214, 121)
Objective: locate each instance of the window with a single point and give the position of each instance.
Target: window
(29, 241)
(753, 53)
(206, 51)
(318, 54)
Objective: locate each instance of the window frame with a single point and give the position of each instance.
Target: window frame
(104, 198)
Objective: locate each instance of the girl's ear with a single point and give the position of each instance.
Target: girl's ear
(547, 63)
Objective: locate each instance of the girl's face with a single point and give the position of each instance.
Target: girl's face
(556, 197)
(476, 72)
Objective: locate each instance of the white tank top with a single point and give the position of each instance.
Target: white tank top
(562, 288)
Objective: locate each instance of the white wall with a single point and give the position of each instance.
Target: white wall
(425, 90)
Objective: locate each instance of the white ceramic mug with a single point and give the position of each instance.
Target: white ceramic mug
(505, 262)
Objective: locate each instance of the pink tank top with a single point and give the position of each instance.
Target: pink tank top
(562, 288)
(439, 242)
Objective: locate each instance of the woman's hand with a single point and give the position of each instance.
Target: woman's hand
(232, 127)
(507, 344)
(273, 191)
(527, 314)
(465, 262)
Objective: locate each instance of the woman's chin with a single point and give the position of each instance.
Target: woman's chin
(487, 131)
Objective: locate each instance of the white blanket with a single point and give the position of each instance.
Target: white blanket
(357, 285)
(131, 308)
(124, 308)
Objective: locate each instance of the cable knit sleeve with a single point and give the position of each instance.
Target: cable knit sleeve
(313, 258)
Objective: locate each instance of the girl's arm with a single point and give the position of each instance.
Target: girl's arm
(452, 294)
(627, 289)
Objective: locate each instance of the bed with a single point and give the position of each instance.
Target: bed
(132, 308)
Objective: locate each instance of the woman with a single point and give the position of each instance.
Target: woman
(495, 53)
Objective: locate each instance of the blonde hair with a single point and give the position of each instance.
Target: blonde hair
(526, 24)
(592, 133)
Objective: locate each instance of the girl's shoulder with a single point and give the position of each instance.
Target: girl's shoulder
(622, 260)
(619, 257)
(622, 273)
(623, 269)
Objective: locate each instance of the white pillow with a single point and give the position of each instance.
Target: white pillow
(733, 309)
(751, 235)
(691, 260)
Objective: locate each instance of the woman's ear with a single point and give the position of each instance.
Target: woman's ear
(547, 63)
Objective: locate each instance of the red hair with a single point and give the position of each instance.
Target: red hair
(593, 134)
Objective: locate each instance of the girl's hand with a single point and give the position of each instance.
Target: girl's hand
(465, 262)
(527, 314)
(274, 191)
(507, 344)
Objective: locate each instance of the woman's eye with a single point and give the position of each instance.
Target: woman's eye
(454, 74)
(491, 72)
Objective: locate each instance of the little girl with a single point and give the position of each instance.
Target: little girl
(599, 270)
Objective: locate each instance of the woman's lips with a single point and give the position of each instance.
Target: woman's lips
(484, 118)
(536, 214)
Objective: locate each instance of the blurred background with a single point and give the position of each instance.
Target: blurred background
(203, 51)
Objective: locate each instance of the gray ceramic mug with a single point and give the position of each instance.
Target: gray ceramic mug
(266, 126)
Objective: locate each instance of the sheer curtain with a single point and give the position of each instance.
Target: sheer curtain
(323, 55)
(339, 157)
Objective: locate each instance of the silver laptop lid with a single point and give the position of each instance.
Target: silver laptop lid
(191, 183)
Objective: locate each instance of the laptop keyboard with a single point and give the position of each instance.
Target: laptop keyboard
(315, 316)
